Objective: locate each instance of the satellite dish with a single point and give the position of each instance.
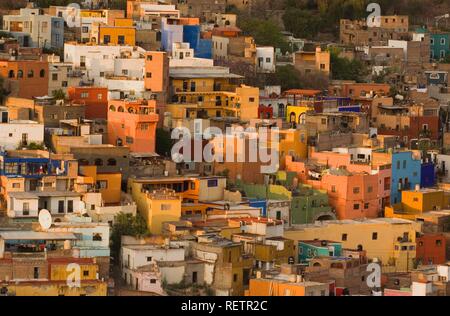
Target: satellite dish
(45, 219)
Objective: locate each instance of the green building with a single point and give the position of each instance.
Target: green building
(307, 204)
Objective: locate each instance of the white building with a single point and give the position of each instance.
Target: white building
(183, 56)
(265, 59)
(280, 210)
(33, 28)
(119, 68)
(138, 256)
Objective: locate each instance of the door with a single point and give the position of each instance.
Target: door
(61, 206)
(194, 277)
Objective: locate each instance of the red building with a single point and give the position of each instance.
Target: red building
(265, 112)
(431, 249)
(95, 100)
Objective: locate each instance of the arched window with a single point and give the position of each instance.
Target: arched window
(98, 162)
(30, 74)
(83, 162)
(120, 109)
(112, 162)
(20, 74)
(11, 74)
(42, 73)
(112, 108)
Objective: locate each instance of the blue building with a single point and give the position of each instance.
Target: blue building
(261, 204)
(427, 175)
(406, 174)
(308, 249)
(202, 47)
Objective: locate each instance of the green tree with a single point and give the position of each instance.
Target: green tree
(345, 69)
(126, 225)
(302, 23)
(164, 143)
(265, 32)
(59, 94)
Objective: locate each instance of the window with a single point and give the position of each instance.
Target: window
(16, 185)
(106, 39)
(366, 206)
(36, 272)
(97, 237)
(369, 189)
(98, 162)
(99, 96)
(152, 281)
(70, 206)
(251, 100)
(102, 184)
(20, 74)
(112, 162)
(344, 237)
(438, 242)
(324, 121)
(235, 277)
(84, 95)
(26, 208)
(86, 273)
(166, 207)
(149, 259)
(125, 72)
(213, 183)
(148, 75)
(121, 39)
(416, 199)
(30, 74)
(333, 188)
(355, 190)
(42, 73)
(356, 206)
(149, 57)
(129, 140)
(442, 41)
(404, 164)
(60, 206)
(398, 164)
(374, 236)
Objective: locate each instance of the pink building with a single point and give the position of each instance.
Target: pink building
(354, 189)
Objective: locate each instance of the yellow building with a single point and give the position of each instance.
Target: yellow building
(297, 113)
(56, 288)
(115, 35)
(209, 95)
(59, 271)
(158, 207)
(414, 203)
(318, 60)
(293, 142)
(390, 240)
(108, 184)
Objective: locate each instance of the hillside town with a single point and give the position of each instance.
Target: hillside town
(179, 148)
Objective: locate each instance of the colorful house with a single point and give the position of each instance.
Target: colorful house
(95, 100)
(133, 124)
(439, 45)
(406, 173)
(427, 175)
(416, 202)
(308, 249)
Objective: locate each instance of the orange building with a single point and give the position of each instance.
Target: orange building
(25, 78)
(133, 124)
(95, 100)
(352, 193)
(431, 249)
(156, 71)
(274, 287)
